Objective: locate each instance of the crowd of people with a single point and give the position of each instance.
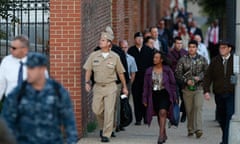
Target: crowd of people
(168, 63)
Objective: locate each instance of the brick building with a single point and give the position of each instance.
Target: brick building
(75, 27)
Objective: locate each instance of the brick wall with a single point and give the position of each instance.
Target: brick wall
(65, 39)
(118, 19)
(75, 28)
(96, 16)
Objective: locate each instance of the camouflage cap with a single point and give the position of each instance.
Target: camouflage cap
(36, 59)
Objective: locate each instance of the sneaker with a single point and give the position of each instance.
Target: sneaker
(199, 133)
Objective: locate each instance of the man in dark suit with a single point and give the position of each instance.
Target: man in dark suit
(164, 33)
(144, 59)
(219, 74)
(194, 30)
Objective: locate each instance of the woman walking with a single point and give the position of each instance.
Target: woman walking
(159, 92)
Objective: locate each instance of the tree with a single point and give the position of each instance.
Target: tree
(4, 6)
(213, 8)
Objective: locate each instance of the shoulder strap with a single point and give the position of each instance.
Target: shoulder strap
(21, 91)
(56, 86)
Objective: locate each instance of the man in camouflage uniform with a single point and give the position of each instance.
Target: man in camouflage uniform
(38, 109)
(190, 71)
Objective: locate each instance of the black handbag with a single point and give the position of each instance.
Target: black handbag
(126, 113)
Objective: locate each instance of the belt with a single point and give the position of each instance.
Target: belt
(104, 84)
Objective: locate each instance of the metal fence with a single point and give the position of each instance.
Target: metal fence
(31, 18)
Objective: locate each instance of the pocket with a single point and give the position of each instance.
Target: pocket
(96, 66)
(111, 66)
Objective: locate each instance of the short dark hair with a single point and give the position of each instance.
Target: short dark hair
(150, 29)
(23, 39)
(193, 42)
(147, 39)
(166, 61)
(177, 38)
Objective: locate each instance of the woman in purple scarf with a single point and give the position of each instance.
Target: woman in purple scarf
(159, 92)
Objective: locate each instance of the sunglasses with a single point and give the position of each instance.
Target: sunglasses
(13, 48)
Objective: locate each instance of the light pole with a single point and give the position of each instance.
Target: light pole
(234, 129)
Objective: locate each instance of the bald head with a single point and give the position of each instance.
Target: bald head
(124, 45)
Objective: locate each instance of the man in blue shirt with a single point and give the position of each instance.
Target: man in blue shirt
(38, 109)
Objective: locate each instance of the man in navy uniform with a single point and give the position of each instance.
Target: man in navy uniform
(38, 109)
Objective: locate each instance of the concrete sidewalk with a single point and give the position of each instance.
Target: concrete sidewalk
(149, 135)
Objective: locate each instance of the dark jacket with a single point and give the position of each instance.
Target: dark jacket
(215, 74)
(167, 36)
(168, 82)
(144, 58)
(175, 55)
(198, 31)
(188, 67)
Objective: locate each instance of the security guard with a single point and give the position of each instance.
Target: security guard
(105, 65)
(36, 110)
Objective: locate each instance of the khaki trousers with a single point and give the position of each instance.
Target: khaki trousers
(117, 112)
(103, 105)
(193, 103)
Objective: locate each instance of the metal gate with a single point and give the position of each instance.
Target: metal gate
(29, 18)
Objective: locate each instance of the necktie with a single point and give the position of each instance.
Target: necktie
(20, 73)
(225, 66)
(214, 36)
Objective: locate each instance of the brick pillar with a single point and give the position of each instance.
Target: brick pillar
(65, 51)
(118, 19)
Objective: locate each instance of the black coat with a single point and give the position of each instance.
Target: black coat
(215, 74)
(144, 58)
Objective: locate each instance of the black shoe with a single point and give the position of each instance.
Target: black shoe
(160, 140)
(122, 128)
(105, 139)
(118, 129)
(100, 133)
(113, 134)
(183, 118)
(138, 123)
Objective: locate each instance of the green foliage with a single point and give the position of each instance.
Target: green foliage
(91, 126)
(4, 6)
(213, 8)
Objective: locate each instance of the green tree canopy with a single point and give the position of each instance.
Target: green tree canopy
(4, 6)
(213, 8)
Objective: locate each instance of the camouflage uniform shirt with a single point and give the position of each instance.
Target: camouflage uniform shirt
(36, 117)
(189, 67)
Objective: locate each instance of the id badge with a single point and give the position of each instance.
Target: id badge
(155, 87)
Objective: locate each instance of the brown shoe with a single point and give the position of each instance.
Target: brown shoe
(199, 133)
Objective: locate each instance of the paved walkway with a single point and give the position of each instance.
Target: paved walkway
(148, 135)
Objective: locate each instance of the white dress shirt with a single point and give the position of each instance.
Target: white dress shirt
(210, 35)
(9, 74)
(202, 50)
(157, 44)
